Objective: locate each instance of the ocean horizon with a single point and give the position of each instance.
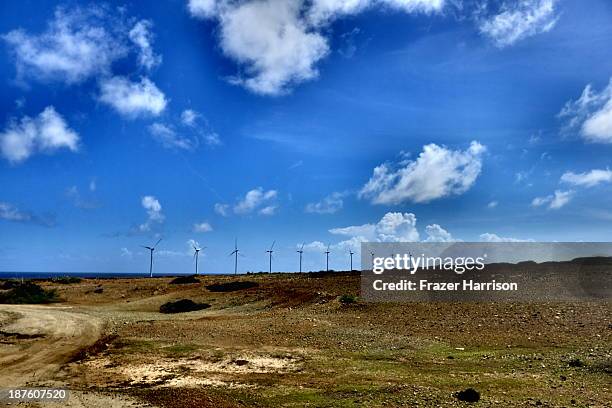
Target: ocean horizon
(87, 275)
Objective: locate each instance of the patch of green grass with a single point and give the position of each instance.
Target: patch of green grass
(66, 280)
(132, 346)
(180, 349)
(348, 299)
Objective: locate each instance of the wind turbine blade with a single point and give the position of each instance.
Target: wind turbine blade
(272, 246)
(302, 248)
(158, 241)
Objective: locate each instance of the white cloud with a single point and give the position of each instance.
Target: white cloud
(126, 253)
(329, 205)
(297, 164)
(211, 138)
(492, 204)
(437, 172)
(9, 212)
(268, 210)
(202, 8)
(189, 116)
(141, 35)
(81, 202)
(257, 199)
(519, 20)
(222, 209)
(202, 227)
(322, 11)
(194, 121)
(315, 246)
(489, 237)
(590, 115)
(436, 233)
(554, 201)
(278, 43)
(169, 138)
(154, 213)
(76, 45)
(46, 133)
(392, 227)
(273, 43)
(132, 99)
(587, 179)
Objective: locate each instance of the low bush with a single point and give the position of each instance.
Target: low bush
(9, 284)
(182, 280)
(66, 280)
(28, 293)
(348, 299)
(181, 306)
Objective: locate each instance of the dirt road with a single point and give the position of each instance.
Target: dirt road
(36, 340)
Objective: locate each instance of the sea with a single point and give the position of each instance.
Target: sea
(90, 275)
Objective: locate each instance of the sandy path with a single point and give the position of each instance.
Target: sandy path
(56, 334)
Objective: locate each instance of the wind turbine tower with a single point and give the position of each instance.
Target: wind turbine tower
(235, 253)
(351, 253)
(327, 258)
(196, 255)
(151, 249)
(269, 251)
(301, 251)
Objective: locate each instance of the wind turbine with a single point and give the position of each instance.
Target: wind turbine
(151, 249)
(196, 255)
(269, 251)
(301, 251)
(235, 253)
(327, 258)
(372, 255)
(351, 255)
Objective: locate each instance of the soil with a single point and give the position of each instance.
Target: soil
(287, 340)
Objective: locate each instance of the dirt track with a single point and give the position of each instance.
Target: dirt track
(38, 340)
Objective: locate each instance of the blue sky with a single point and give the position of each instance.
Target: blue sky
(310, 122)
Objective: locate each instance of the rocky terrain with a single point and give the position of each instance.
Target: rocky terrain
(294, 340)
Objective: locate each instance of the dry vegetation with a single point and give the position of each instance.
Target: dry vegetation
(307, 340)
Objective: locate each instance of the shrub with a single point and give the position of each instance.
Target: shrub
(182, 280)
(28, 293)
(9, 284)
(348, 299)
(468, 395)
(66, 280)
(181, 306)
(576, 362)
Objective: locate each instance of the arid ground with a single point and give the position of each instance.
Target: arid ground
(288, 340)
